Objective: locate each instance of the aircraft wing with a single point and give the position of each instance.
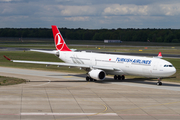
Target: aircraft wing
(65, 64)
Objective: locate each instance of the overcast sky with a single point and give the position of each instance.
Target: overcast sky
(91, 14)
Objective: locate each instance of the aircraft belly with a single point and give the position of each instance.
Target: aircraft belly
(114, 72)
(146, 72)
(162, 74)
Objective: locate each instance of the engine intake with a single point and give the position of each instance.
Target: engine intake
(97, 74)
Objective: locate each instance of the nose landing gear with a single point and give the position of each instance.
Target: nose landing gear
(159, 82)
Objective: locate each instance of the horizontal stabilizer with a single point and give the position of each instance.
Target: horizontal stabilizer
(55, 52)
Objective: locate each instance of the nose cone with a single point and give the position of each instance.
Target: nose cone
(173, 71)
(169, 71)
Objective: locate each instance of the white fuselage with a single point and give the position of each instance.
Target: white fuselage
(122, 64)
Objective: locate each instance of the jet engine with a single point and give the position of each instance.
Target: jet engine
(97, 74)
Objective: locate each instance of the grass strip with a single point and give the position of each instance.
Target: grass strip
(5, 81)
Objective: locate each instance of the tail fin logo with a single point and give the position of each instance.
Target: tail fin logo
(159, 55)
(59, 41)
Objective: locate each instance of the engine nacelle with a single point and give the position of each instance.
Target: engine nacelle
(97, 74)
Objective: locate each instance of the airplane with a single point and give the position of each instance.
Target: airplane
(98, 65)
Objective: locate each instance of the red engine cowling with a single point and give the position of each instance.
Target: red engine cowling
(97, 74)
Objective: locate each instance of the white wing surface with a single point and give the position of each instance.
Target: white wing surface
(65, 64)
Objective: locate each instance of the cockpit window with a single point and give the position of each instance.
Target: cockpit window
(168, 65)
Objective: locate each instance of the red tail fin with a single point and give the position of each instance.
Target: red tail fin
(160, 55)
(58, 39)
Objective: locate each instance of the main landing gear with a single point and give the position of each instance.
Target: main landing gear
(119, 77)
(159, 82)
(90, 79)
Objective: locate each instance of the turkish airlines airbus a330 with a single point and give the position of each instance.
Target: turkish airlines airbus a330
(99, 65)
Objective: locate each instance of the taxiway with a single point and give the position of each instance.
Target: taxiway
(55, 96)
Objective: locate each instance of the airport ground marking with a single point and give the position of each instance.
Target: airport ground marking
(101, 113)
(86, 114)
(169, 103)
(78, 115)
(43, 83)
(64, 114)
(67, 76)
(91, 114)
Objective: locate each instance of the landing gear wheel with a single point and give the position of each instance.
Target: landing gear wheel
(159, 83)
(123, 77)
(119, 77)
(87, 78)
(91, 79)
(115, 77)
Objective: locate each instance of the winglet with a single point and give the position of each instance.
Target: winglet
(159, 55)
(7, 58)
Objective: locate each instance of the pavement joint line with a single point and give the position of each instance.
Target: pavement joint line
(105, 103)
(49, 103)
(165, 106)
(21, 100)
(94, 114)
(149, 86)
(99, 113)
(139, 108)
(77, 103)
(79, 85)
(74, 97)
(106, 108)
(150, 106)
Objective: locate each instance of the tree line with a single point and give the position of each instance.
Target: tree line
(131, 34)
